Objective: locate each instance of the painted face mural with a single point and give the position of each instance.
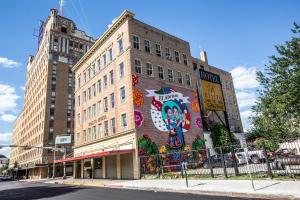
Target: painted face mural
(170, 114)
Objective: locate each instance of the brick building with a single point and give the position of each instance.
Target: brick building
(136, 87)
(48, 99)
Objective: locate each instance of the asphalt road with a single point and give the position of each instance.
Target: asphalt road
(30, 191)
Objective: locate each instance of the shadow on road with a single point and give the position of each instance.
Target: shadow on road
(36, 192)
(261, 188)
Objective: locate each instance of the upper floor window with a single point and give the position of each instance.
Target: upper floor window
(188, 79)
(94, 110)
(106, 128)
(177, 58)
(179, 76)
(138, 66)
(78, 118)
(89, 94)
(112, 100)
(136, 42)
(93, 70)
(99, 107)
(121, 69)
(122, 94)
(100, 130)
(84, 115)
(99, 86)
(111, 76)
(78, 81)
(94, 133)
(105, 104)
(158, 50)
(168, 53)
(170, 75)
(84, 96)
(89, 73)
(120, 45)
(160, 72)
(149, 70)
(77, 138)
(78, 100)
(104, 59)
(185, 61)
(110, 55)
(84, 135)
(124, 120)
(94, 89)
(84, 77)
(105, 81)
(147, 46)
(113, 125)
(99, 64)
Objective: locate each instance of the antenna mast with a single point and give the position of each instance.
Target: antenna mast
(61, 3)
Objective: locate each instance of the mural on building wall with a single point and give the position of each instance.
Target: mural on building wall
(138, 118)
(170, 114)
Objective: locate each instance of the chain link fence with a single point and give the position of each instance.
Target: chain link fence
(228, 161)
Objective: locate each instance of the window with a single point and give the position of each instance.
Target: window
(158, 50)
(121, 69)
(93, 70)
(98, 64)
(84, 96)
(177, 59)
(195, 66)
(89, 113)
(78, 118)
(84, 116)
(112, 100)
(105, 81)
(99, 86)
(77, 138)
(89, 73)
(106, 128)
(100, 130)
(84, 76)
(113, 125)
(185, 61)
(105, 106)
(147, 46)
(99, 107)
(124, 120)
(94, 89)
(104, 59)
(110, 55)
(120, 44)
(94, 110)
(179, 76)
(84, 135)
(136, 42)
(89, 135)
(188, 79)
(160, 72)
(170, 75)
(94, 132)
(89, 93)
(149, 69)
(78, 82)
(78, 100)
(111, 75)
(168, 53)
(122, 94)
(138, 66)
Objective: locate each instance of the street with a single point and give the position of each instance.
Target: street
(31, 191)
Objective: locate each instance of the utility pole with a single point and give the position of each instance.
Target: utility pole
(61, 3)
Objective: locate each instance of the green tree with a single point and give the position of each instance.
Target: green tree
(220, 137)
(277, 110)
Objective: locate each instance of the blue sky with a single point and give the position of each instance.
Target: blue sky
(237, 35)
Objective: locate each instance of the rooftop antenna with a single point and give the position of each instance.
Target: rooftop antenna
(61, 3)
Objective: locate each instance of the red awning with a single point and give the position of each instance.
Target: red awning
(104, 153)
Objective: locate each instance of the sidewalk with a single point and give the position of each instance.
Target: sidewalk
(268, 189)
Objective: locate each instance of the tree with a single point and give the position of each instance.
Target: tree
(277, 110)
(220, 137)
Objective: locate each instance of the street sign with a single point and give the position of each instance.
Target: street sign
(63, 139)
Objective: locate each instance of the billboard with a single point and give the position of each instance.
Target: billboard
(63, 139)
(210, 90)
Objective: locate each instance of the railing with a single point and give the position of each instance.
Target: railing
(257, 159)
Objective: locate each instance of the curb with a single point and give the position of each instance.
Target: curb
(210, 193)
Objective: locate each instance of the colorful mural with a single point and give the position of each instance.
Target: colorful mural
(138, 97)
(170, 114)
(138, 118)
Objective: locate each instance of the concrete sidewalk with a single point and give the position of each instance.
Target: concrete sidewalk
(267, 189)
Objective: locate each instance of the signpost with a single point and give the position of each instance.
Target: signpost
(212, 99)
(61, 140)
(184, 167)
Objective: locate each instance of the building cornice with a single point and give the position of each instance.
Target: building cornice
(124, 16)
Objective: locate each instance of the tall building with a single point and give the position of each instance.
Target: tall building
(48, 99)
(136, 89)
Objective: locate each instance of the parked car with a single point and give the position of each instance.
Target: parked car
(285, 157)
(254, 156)
(5, 178)
(216, 161)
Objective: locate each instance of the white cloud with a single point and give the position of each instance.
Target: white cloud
(5, 151)
(7, 63)
(8, 117)
(245, 118)
(5, 138)
(8, 98)
(22, 88)
(244, 78)
(245, 99)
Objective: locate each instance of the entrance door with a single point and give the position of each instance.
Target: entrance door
(126, 166)
(111, 167)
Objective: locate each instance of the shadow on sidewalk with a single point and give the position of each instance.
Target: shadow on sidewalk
(267, 186)
(36, 192)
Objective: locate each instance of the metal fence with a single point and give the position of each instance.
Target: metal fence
(227, 161)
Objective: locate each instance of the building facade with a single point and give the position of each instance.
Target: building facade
(48, 99)
(135, 95)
